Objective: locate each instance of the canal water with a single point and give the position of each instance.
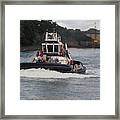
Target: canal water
(40, 84)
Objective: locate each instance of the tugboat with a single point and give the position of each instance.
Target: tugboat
(54, 55)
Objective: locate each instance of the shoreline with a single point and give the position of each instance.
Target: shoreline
(33, 48)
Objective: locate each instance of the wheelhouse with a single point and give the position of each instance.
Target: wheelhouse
(51, 47)
(52, 44)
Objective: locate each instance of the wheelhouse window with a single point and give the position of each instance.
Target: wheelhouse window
(55, 48)
(50, 48)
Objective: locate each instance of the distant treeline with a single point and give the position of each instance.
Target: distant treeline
(32, 33)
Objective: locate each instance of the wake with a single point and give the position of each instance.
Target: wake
(42, 73)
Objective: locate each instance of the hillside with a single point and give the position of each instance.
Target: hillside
(32, 33)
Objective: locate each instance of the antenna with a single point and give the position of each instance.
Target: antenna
(95, 25)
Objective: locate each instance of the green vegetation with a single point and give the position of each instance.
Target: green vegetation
(32, 34)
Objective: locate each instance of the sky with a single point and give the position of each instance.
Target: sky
(79, 24)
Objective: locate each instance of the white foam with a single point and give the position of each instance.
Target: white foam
(42, 73)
